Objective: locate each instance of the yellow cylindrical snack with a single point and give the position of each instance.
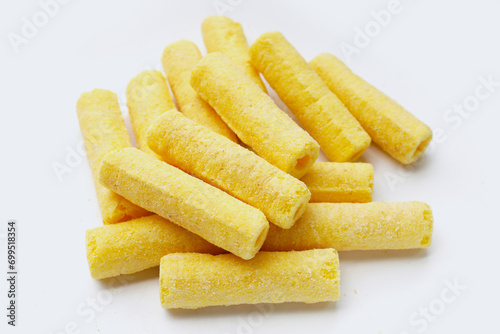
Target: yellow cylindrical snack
(147, 98)
(356, 226)
(193, 280)
(185, 200)
(139, 244)
(253, 116)
(319, 111)
(221, 34)
(104, 131)
(337, 182)
(394, 129)
(228, 166)
(178, 61)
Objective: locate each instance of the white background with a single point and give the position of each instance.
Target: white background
(429, 57)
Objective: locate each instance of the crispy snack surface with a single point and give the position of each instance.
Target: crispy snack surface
(253, 116)
(221, 34)
(193, 281)
(104, 131)
(356, 226)
(320, 112)
(229, 167)
(392, 127)
(179, 59)
(337, 182)
(139, 244)
(185, 200)
(147, 98)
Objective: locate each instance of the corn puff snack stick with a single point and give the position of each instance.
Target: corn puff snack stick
(221, 34)
(147, 98)
(193, 280)
(319, 111)
(139, 244)
(185, 200)
(226, 165)
(178, 61)
(394, 129)
(253, 116)
(103, 131)
(356, 226)
(337, 182)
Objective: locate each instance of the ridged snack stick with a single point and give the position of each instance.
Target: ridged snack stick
(185, 200)
(139, 244)
(337, 182)
(253, 116)
(104, 131)
(147, 98)
(221, 34)
(179, 59)
(228, 166)
(320, 112)
(356, 226)
(394, 129)
(190, 280)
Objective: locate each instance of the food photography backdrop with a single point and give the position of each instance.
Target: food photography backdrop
(438, 59)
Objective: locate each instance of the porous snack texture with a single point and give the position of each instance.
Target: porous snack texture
(356, 226)
(192, 280)
(392, 127)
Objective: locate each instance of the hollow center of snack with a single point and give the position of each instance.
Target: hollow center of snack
(302, 162)
(420, 149)
(298, 212)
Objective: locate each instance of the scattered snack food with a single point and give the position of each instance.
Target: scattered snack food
(228, 166)
(356, 226)
(253, 115)
(392, 127)
(147, 98)
(190, 280)
(337, 182)
(191, 194)
(185, 200)
(179, 59)
(103, 130)
(319, 111)
(221, 34)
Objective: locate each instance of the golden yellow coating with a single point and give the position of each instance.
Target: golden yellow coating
(190, 281)
(104, 131)
(185, 200)
(394, 129)
(221, 34)
(253, 116)
(337, 182)
(179, 59)
(147, 98)
(226, 165)
(139, 244)
(319, 111)
(356, 226)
